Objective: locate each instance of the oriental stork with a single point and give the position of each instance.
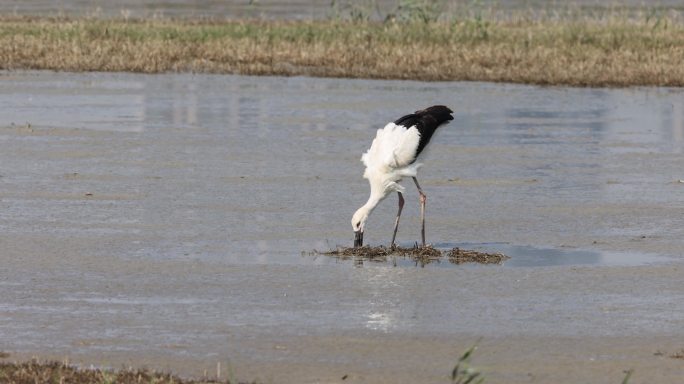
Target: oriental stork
(391, 157)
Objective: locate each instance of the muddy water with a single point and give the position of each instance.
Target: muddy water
(161, 219)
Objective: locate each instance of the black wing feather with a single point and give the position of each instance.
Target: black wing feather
(426, 121)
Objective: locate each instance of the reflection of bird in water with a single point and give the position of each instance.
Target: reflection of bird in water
(391, 157)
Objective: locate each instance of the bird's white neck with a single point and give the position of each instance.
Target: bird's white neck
(372, 202)
(378, 190)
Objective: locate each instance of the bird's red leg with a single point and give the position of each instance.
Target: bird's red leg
(396, 223)
(423, 199)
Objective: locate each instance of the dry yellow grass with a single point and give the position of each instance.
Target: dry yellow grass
(34, 372)
(581, 52)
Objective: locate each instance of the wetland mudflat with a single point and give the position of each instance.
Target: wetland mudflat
(160, 219)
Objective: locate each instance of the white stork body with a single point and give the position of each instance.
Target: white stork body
(392, 156)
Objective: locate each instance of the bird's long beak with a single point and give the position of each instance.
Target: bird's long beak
(358, 239)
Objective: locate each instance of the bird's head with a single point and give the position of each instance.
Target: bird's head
(358, 222)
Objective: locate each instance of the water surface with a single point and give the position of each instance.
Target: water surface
(295, 10)
(164, 217)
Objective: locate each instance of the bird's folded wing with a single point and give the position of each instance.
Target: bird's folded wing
(394, 146)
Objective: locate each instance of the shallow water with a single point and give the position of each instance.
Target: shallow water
(255, 170)
(165, 216)
(275, 9)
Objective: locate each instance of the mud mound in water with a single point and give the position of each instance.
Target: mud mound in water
(422, 255)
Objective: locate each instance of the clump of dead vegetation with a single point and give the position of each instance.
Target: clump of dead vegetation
(34, 372)
(420, 255)
(582, 50)
(460, 256)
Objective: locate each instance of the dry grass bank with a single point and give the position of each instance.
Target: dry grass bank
(611, 51)
(56, 373)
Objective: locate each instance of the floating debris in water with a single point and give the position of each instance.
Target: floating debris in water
(420, 255)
